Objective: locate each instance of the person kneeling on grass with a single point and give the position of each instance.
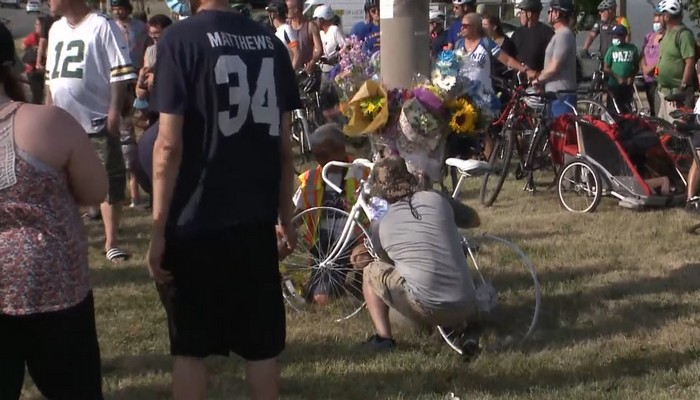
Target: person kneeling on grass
(327, 144)
(422, 272)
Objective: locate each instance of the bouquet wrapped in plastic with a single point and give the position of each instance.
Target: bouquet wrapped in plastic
(368, 110)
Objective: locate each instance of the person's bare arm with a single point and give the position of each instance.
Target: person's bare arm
(286, 206)
(510, 62)
(549, 70)
(116, 103)
(589, 40)
(167, 156)
(141, 92)
(688, 71)
(294, 54)
(318, 45)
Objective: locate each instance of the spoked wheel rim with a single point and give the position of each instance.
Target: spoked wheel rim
(508, 294)
(579, 187)
(311, 282)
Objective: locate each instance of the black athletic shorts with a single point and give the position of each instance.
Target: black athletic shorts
(226, 294)
(59, 349)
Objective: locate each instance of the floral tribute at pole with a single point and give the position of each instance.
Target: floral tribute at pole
(412, 122)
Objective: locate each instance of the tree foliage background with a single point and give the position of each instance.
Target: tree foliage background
(693, 7)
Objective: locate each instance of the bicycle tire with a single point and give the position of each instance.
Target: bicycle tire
(488, 297)
(507, 140)
(297, 286)
(548, 165)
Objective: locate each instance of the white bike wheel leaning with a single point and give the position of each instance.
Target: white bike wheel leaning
(313, 282)
(582, 181)
(508, 293)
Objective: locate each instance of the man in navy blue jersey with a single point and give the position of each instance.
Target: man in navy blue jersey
(222, 188)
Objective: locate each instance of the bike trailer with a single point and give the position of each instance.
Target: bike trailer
(627, 155)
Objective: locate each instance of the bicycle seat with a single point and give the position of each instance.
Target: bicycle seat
(469, 167)
(686, 128)
(676, 97)
(678, 114)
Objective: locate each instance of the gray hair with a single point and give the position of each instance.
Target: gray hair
(331, 133)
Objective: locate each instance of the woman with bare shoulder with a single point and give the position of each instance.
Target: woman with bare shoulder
(48, 167)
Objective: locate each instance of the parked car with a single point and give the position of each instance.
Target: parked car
(33, 6)
(10, 3)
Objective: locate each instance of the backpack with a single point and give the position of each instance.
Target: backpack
(694, 83)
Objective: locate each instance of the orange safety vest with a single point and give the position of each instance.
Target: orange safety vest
(312, 189)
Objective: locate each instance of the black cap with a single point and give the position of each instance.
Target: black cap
(120, 3)
(279, 7)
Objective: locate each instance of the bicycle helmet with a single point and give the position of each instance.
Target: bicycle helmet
(464, 2)
(277, 7)
(370, 4)
(529, 5)
(241, 8)
(562, 5)
(437, 16)
(536, 103)
(607, 5)
(672, 7)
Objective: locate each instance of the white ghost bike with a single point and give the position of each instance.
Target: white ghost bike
(508, 292)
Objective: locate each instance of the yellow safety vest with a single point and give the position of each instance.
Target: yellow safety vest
(312, 189)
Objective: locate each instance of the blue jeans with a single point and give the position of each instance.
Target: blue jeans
(559, 107)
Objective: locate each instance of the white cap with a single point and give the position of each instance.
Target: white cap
(435, 14)
(324, 12)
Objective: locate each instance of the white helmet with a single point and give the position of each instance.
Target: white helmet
(323, 12)
(672, 7)
(437, 15)
(463, 2)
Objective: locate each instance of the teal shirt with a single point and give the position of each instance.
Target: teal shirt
(623, 61)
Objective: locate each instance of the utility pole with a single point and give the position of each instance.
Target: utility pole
(405, 41)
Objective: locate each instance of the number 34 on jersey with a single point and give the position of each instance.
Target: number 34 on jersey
(261, 107)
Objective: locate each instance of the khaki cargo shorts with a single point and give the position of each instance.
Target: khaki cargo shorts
(109, 149)
(391, 287)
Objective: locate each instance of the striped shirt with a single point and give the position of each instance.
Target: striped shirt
(83, 61)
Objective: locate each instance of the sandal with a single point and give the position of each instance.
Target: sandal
(116, 254)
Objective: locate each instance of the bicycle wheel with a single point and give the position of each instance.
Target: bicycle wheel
(302, 148)
(595, 110)
(499, 160)
(543, 172)
(312, 280)
(507, 290)
(582, 180)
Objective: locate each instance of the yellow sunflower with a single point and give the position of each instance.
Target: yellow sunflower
(464, 119)
(372, 107)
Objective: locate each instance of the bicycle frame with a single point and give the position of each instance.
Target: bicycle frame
(354, 213)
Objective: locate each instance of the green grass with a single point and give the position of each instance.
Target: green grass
(619, 320)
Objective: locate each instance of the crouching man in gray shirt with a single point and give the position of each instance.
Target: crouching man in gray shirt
(429, 281)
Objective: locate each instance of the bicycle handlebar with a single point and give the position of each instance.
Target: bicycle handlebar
(358, 162)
